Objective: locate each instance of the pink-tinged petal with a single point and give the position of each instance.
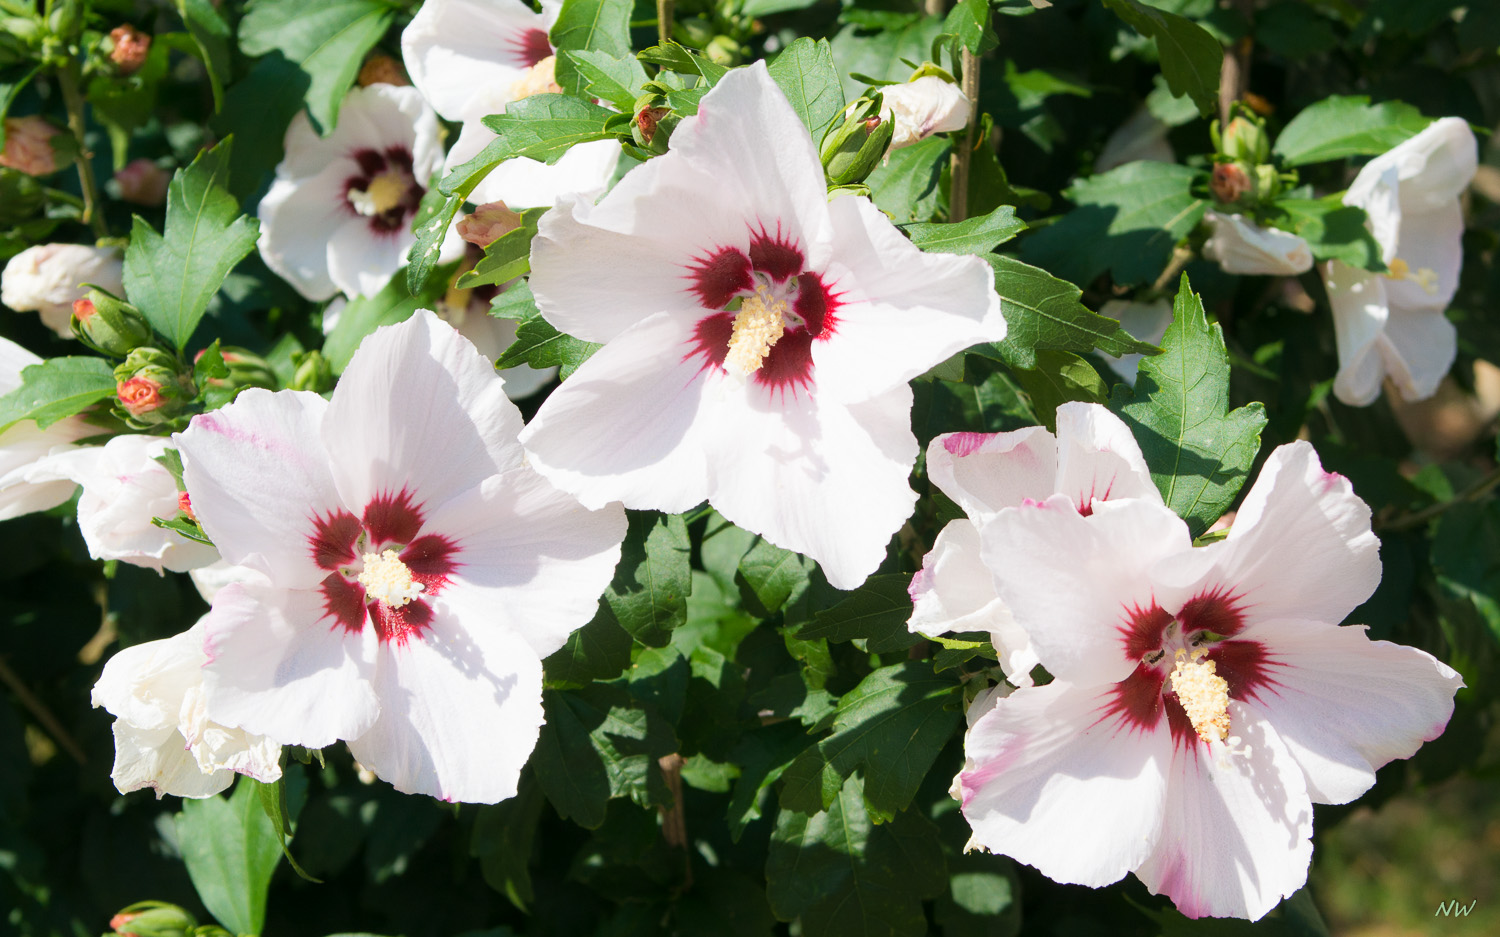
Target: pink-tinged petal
(419, 411)
(629, 425)
(1418, 348)
(1345, 705)
(585, 171)
(1301, 547)
(259, 479)
(901, 310)
(1098, 459)
(984, 472)
(455, 48)
(954, 591)
(528, 558)
(1054, 781)
(460, 712)
(1236, 836)
(279, 666)
(1081, 612)
(822, 478)
(1360, 311)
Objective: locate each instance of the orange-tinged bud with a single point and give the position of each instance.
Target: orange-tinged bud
(130, 48)
(488, 223)
(1230, 182)
(139, 395)
(28, 146)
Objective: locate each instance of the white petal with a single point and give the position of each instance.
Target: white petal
(1237, 836)
(1360, 311)
(1072, 581)
(418, 409)
(585, 171)
(812, 475)
(953, 591)
(1430, 244)
(22, 446)
(161, 761)
(922, 108)
(1418, 348)
(278, 667)
(215, 576)
(1300, 548)
(629, 425)
(1243, 247)
(1055, 782)
(297, 219)
(460, 712)
(984, 472)
(899, 311)
(1146, 321)
(1097, 457)
(453, 48)
(258, 476)
(1432, 168)
(1141, 137)
(1345, 705)
(534, 560)
(361, 260)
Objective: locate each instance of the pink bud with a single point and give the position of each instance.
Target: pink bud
(28, 146)
(142, 182)
(185, 505)
(83, 309)
(130, 48)
(488, 223)
(139, 395)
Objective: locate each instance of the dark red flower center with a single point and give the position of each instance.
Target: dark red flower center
(530, 46)
(768, 309)
(384, 190)
(381, 567)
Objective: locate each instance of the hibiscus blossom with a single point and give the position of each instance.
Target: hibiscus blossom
(338, 216)
(758, 337)
(1203, 698)
(470, 59)
(416, 570)
(1092, 458)
(1392, 324)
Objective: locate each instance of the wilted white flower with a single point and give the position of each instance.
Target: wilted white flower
(922, 108)
(47, 278)
(1244, 247)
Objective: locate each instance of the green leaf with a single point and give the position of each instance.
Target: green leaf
(596, 74)
(12, 79)
(773, 575)
(1333, 231)
(508, 257)
(973, 236)
(649, 593)
(594, 25)
(1199, 453)
(274, 801)
(257, 110)
(502, 838)
(431, 223)
(804, 71)
(1126, 222)
(1339, 127)
(541, 127)
(890, 728)
(756, 8)
(880, 55)
(189, 529)
(211, 36)
(1042, 312)
(171, 279)
(877, 612)
(541, 346)
(230, 848)
(970, 21)
(598, 744)
(1190, 58)
(1059, 376)
(365, 314)
(328, 39)
(906, 184)
(675, 57)
(1465, 545)
(846, 877)
(55, 389)
(600, 650)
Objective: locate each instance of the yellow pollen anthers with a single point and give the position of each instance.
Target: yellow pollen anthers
(385, 192)
(538, 79)
(1426, 277)
(757, 326)
(388, 580)
(1204, 695)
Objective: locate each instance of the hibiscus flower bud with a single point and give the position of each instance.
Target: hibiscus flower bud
(142, 182)
(153, 919)
(246, 369)
(653, 123)
(852, 150)
(1244, 139)
(488, 222)
(923, 107)
(381, 70)
(28, 146)
(151, 388)
(313, 372)
(1231, 182)
(47, 278)
(109, 325)
(130, 47)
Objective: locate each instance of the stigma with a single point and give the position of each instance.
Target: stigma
(386, 191)
(757, 327)
(1425, 277)
(538, 79)
(1204, 695)
(388, 580)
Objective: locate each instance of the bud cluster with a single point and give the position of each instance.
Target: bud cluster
(1243, 173)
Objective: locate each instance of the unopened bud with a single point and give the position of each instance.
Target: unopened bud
(852, 150)
(130, 49)
(150, 387)
(651, 127)
(153, 919)
(381, 70)
(1244, 139)
(108, 325)
(1230, 182)
(142, 182)
(721, 50)
(488, 223)
(313, 372)
(185, 505)
(246, 369)
(924, 106)
(28, 146)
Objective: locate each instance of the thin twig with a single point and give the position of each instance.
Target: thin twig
(1234, 77)
(664, 14)
(958, 190)
(1417, 518)
(39, 709)
(674, 821)
(1180, 258)
(67, 78)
